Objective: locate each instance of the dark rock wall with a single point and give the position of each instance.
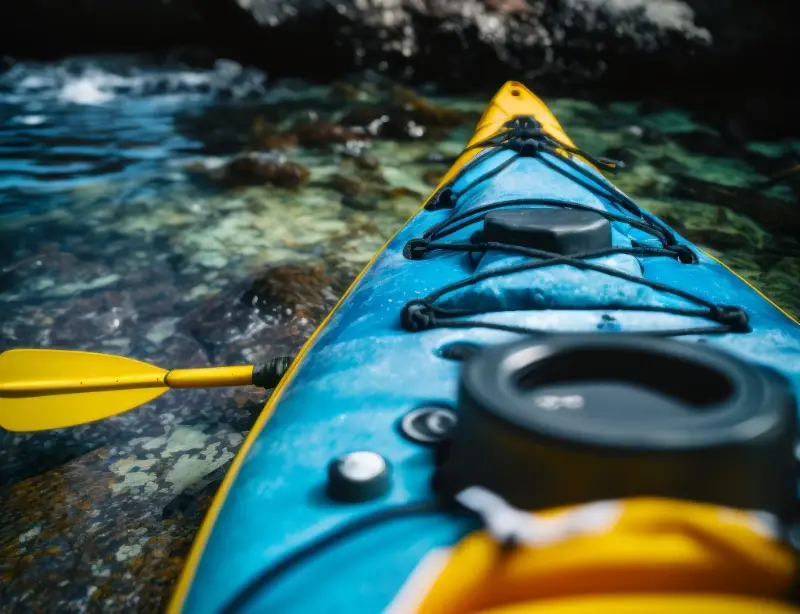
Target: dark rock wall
(635, 44)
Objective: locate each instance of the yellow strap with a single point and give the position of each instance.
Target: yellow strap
(653, 546)
(649, 604)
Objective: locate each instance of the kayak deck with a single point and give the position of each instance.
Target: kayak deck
(363, 371)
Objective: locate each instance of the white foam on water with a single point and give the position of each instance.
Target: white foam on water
(28, 120)
(84, 91)
(99, 81)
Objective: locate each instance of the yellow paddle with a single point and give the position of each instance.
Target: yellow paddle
(49, 389)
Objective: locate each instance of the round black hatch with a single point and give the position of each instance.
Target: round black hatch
(578, 418)
(559, 230)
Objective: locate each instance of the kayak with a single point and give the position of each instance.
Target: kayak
(537, 397)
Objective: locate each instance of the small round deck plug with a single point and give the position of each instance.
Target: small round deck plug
(428, 425)
(358, 476)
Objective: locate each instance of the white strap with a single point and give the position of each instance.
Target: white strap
(506, 523)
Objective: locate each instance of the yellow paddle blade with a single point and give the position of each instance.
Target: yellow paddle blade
(48, 389)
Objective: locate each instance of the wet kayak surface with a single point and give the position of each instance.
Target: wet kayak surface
(193, 217)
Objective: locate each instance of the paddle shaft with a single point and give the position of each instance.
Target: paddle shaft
(178, 378)
(211, 377)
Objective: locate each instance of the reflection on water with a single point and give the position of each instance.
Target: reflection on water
(195, 217)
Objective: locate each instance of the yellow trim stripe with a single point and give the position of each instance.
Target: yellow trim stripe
(759, 292)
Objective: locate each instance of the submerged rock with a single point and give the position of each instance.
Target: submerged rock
(323, 134)
(266, 136)
(306, 291)
(372, 200)
(263, 170)
(774, 214)
(109, 518)
(268, 315)
(368, 190)
(424, 111)
(403, 193)
(364, 203)
(367, 162)
(405, 116)
(347, 185)
(433, 177)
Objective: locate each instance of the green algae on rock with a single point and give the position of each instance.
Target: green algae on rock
(100, 518)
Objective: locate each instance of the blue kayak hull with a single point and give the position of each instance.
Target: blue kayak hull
(363, 371)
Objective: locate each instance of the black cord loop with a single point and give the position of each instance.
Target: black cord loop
(416, 249)
(441, 200)
(417, 315)
(525, 136)
(733, 316)
(684, 253)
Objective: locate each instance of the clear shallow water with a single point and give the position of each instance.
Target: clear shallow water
(199, 217)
